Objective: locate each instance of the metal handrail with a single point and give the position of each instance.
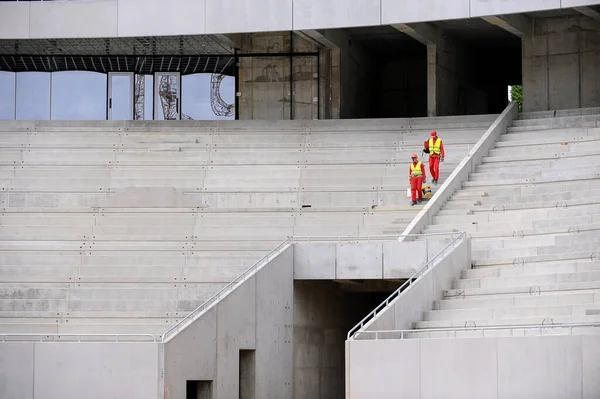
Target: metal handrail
(381, 237)
(225, 290)
(409, 283)
(194, 314)
(403, 334)
(42, 337)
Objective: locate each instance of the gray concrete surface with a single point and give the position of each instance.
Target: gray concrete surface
(257, 315)
(533, 232)
(48, 370)
(560, 63)
(90, 237)
(122, 18)
(507, 367)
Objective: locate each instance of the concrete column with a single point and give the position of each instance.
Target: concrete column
(561, 64)
(432, 75)
(445, 68)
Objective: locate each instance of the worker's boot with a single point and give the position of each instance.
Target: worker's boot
(413, 203)
(420, 200)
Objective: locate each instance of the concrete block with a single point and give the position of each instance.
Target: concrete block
(499, 7)
(590, 348)
(151, 22)
(402, 260)
(314, 261)
(542, 366)
(17, 370)
(390, 365)
(14, 20)
(128, 368)
(473, 373)
(310, 14)
(69, 20)
(234, 16)
(359, 261)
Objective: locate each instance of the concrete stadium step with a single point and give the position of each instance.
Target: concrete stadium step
(549, 134)
(532, 280)
(559, 120)
(529, 289)
(250, 181)
(559, 113)
(530, 188)
(517, 321)
(513, 312)
(546, 298)
(532, 269)
(518, 253)
(547, 331)
(477, 202)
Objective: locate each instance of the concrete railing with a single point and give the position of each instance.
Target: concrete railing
(462, 172)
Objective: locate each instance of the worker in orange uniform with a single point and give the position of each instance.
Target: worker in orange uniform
(417, 177)
(435, 148)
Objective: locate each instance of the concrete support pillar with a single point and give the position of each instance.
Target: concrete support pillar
(432, 75)
(561, 64)
(445, 68)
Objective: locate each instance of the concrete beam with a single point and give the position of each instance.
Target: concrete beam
(589, 11)
(518, 25)
(320, 37)
(233, 41)
(425, 33)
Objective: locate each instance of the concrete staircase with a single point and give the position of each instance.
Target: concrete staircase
(126, 227)
(533, 211)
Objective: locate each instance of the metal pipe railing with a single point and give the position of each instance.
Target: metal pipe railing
(407, 285)
(226, 289)
(194, 314)
(53, 337)
(406, 334)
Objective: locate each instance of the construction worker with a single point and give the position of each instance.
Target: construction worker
(435, 148)
(417, 177)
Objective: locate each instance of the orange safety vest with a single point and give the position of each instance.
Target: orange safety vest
(415, 170)
(435, 147)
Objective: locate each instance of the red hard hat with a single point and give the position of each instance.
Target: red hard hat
(433, 133)
(414, 156)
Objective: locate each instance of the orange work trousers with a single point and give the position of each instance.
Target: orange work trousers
(434, 167)
(416, 186)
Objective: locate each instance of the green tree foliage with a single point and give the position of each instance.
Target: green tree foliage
(516, 94)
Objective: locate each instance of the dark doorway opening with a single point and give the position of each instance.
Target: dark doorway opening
(324, 312)
(247, 374)
(198, 389)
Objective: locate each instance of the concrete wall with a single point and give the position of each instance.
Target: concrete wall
(461, 173)
(267, 91)
(79, 370)
(344, 261)
(256, 315)
(561, 64)
(561, 367)
(410, 305)
(112, 18)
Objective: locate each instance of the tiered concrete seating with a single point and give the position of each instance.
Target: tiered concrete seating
(125, 227)
(532, 209)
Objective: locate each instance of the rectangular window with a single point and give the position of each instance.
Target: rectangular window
(7, 95)
(33, 96)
